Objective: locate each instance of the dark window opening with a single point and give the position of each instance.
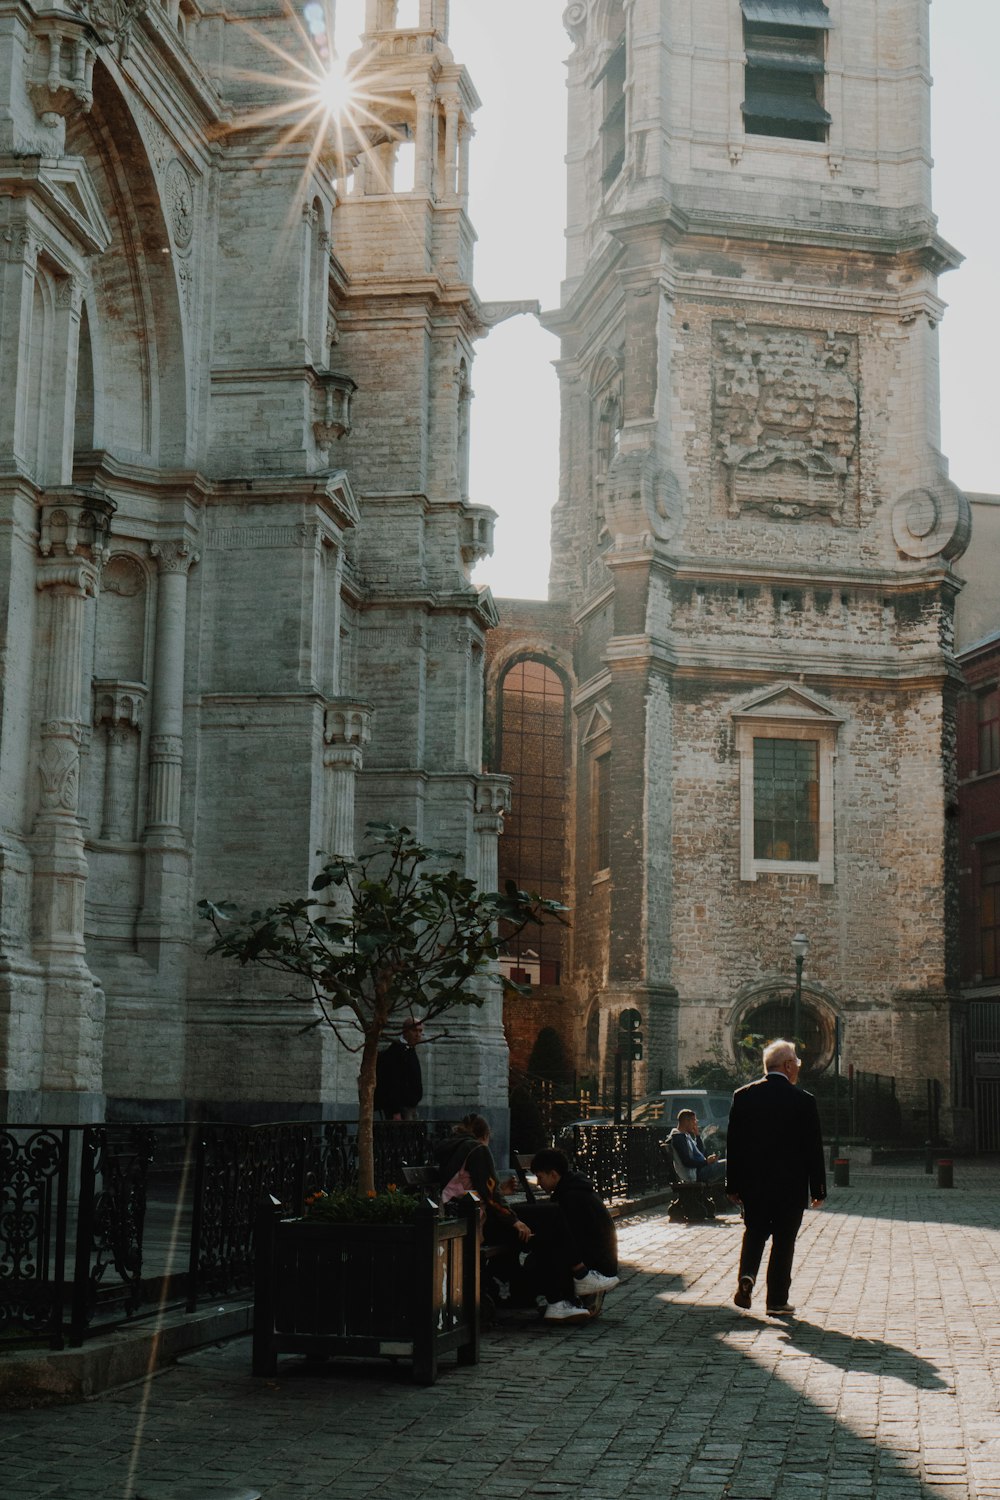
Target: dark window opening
(612, 78)
(989, 730)
(784, 81)
(533, 753)
(786, 799)
(601, 812)
(989, 912)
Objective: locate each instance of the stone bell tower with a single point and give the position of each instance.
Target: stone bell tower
(755, 530)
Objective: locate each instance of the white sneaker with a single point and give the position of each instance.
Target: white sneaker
(593, 1282)
(566, 1312)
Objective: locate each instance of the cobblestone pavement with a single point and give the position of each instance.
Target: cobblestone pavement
(885, 1385)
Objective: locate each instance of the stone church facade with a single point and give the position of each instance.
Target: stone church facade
(235, 536)
(749, 632)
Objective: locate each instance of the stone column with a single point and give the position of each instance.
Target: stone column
(75, 525)
(465, 133)
(347, 729)
(425, 140)
(492, 805)
(470, 1069)
(451, 108)
(164, 926)
(163, 824)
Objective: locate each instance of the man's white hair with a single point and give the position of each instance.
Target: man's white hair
(778, 1052)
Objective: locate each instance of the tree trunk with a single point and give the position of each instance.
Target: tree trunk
(366, 1113)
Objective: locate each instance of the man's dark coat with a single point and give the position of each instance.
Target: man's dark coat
(774, 1150)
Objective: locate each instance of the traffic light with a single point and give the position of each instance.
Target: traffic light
(629, 1035)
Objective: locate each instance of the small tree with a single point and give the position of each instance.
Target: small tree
(396, 935)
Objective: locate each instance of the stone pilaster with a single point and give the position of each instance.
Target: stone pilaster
(424, 97)
(73, 546)
(452, 107)
(163, 825)
(164, 922)
(347, 728)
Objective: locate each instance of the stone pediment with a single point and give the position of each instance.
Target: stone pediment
(599, 722)
(788, 703)
(70, 193)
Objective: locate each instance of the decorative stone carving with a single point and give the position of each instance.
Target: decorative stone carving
(492, 313)
(785, 414)
(123, 576)
(575, 21)
(932, 521)
(17, 245)
(119, 702)
(347, 723)
(76, 523)
(334, 419)
(61, 83)
(639, 497)
(59, 774)
(179, 196)
(111, 19)
(174, 557)
(477, 526)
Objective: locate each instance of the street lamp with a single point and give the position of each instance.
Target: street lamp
(800, 947)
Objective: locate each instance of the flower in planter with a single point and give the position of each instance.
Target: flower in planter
(349, 1206)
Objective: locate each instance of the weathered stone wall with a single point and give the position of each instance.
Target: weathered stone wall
(237, 617)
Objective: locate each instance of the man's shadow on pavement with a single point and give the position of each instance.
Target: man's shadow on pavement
(845, 1351)
(864, 1355)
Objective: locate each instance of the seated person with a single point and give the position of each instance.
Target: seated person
(591, 1225)
(689, 1151)
(466, 1164)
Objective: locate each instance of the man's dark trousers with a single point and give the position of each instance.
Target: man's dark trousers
(780, 1220)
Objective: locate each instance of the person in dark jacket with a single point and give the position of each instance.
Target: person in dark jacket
(689, 1150)
(774, 1167)
(591, 1226)
(560, 1270)
(399, 1084)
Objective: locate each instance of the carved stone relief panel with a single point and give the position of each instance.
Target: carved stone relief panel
(785, 422)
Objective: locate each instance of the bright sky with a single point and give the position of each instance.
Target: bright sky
(515, 50)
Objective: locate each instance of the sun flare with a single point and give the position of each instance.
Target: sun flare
(335, 90)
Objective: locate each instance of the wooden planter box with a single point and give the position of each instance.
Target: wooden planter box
(406, 1291)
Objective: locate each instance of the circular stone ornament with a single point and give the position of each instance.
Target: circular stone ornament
(933, 520)
(179, 195)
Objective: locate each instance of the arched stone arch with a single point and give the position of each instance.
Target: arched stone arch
(134, 303)
(773, 997)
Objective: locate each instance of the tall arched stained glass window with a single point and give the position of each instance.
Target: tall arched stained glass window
(532, 847)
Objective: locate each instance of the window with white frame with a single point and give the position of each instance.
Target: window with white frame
(786, 740)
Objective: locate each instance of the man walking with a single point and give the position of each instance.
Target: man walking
(774, 1166)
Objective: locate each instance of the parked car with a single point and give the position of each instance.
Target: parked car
(710, 1105)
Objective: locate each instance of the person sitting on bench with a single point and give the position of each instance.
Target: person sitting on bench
(591, 1225)
(689, 1152)
(563, 1276)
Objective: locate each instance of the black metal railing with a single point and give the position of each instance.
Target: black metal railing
(98, 1222)
(622, 1161)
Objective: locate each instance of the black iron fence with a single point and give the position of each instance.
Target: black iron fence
(100, 1221)
(622, 1161)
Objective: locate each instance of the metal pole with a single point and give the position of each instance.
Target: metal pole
(796, 1020)
(618, 1088)
(836, 1088)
